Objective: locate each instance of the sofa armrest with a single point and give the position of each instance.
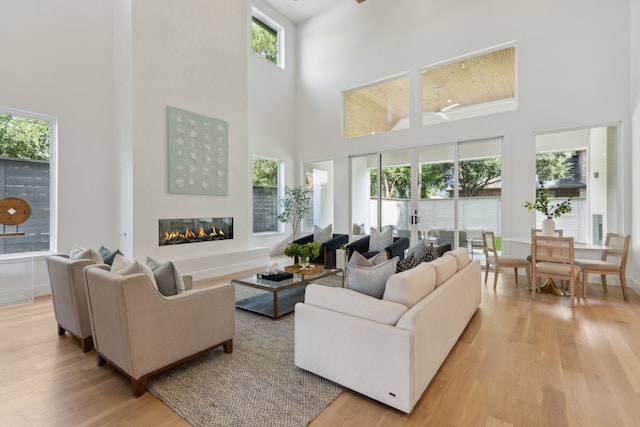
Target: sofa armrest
(188, 282)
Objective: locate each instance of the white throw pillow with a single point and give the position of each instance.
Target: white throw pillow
(409, 287)
(136, 267)
(120, 262)
(379, 241)
(371, 280)
(321, 235)
(78, 252)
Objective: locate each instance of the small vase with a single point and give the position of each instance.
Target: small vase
(304, 262)
(548, 227)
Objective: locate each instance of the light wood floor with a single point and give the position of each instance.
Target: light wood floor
(518, 363)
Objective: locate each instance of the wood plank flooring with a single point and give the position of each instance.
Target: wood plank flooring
(518, 363)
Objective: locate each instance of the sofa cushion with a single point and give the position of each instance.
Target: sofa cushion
(409, 287)
(360, 260)
(168, 277)
(354, 303)
(371, 280)
(108, 255)
(461, 255)
(78, 252)
(445, 266)
(379, 241)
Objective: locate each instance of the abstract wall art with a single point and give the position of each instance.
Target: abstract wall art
(198, 153)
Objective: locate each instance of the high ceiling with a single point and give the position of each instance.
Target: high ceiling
(301, 10)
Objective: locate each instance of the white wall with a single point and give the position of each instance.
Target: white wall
(57, 60)
(634, 150)
(573, 69)
(272, 116)
(191, 55)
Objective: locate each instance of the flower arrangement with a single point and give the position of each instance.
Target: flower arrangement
(542, 205)
(307, 250)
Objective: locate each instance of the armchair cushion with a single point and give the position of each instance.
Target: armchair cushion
(371, 280)
(168, 277)
(321, 235)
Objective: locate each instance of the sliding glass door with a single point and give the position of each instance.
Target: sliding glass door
(446, 193)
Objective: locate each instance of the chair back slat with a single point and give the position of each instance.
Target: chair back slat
(552, 249)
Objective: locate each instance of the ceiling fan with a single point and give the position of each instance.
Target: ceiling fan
(440, 112)
(360, 1)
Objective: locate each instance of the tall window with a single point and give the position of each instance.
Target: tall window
(582, 163)
(319, 179)
(267, 38)
(25, 174)
(266, 192)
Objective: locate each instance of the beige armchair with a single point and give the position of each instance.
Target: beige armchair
(69, 297)
(141, 332)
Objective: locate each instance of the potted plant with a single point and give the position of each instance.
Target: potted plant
(548, 209)
(304, 252)
(296, 204)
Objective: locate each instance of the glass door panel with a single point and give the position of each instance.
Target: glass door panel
(436, 205)
(479, 192)
(395, 192)
(319, 178)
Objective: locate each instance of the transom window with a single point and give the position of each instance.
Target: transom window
(267, 38)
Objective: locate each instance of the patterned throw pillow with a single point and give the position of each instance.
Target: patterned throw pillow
(419, 251)
(321, 235)
(406, 264)
(431, 253)
(379, 241)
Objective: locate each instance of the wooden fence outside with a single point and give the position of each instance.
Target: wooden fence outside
(28, 180)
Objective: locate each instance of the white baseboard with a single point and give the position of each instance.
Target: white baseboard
(221, 264)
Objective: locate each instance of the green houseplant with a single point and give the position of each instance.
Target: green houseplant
(543, 205)
(296, 204)
(304, 252)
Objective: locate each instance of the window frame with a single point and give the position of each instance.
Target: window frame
(279, 192)
(272, 26)
(53, 182)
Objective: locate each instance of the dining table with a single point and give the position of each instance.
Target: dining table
(549, 286)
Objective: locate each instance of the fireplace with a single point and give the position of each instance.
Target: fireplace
(193, 230)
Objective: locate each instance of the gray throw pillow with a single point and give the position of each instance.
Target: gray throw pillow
(371, 280)
(379, 241)
(359, 260)
(321, 235)
(168, 277)
(419, 251)
(108, 255)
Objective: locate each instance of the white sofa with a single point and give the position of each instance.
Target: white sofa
(389, 349)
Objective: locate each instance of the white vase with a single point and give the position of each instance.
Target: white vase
(548, 227)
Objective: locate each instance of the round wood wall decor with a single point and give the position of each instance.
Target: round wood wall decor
(14, 211)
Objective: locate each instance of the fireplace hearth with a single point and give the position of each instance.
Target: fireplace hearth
(194, 230)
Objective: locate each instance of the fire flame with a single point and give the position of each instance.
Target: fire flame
(188, 234)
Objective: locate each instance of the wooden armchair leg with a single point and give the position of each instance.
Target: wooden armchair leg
(87, 344)
(61, 330)
(101, 360)
(228, 346)
(138, 386)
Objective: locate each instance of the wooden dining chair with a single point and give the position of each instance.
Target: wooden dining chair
(552, 257)
(492, 258)
(538, 232)
(613, 262)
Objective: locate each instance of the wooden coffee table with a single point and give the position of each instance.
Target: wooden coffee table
(284, 294)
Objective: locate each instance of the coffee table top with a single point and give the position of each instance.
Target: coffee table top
(297, 279)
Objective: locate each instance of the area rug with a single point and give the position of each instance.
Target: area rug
(256, 385)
